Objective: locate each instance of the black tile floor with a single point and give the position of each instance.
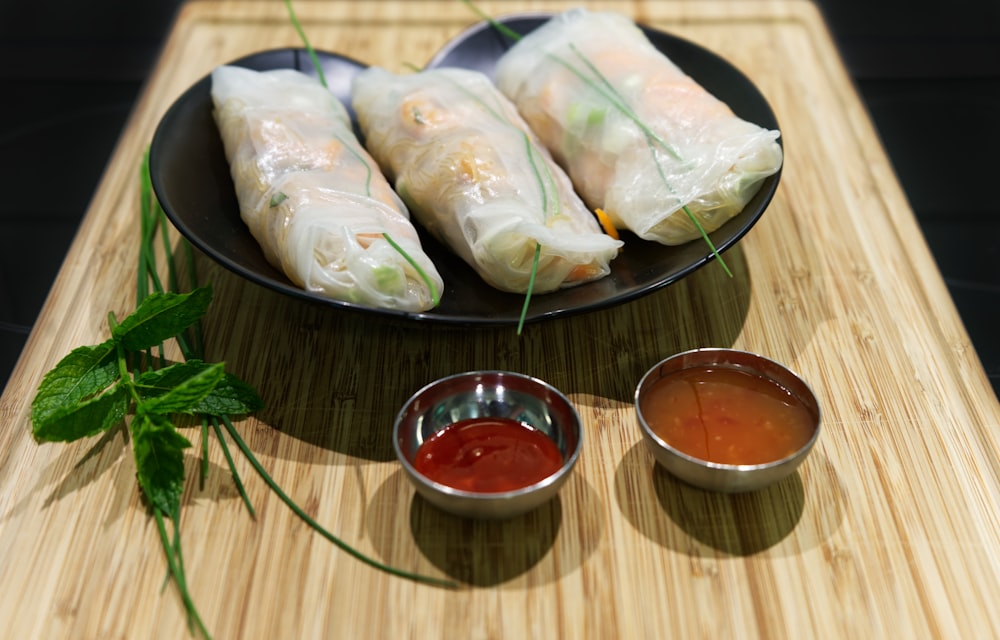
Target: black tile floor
(929, 75)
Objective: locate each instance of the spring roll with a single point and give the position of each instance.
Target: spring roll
(311, 195)
(475, 176)
(639, 138)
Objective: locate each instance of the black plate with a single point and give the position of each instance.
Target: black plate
(191, 179)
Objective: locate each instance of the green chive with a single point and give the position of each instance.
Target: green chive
(232, 465)
(177, 574)
(607, 90)
(235, 435)
(305, 41)
(531, 286)
(499, 26)
(435, 295)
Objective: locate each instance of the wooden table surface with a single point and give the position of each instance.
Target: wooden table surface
(890, 529)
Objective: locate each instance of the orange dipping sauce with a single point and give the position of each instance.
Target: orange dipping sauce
(727, 416)
(488, 455)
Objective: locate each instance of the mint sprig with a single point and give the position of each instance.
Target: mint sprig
(95, 388)
(91, 390)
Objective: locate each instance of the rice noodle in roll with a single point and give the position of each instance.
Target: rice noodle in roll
(312, 197)
(639, 138)
(475, 176)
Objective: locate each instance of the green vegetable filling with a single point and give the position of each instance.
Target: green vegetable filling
(387, 279)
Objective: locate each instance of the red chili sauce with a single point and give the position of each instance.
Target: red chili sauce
(727, 416)
(488, 455)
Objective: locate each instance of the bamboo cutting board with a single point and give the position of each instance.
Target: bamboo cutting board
(890, 529)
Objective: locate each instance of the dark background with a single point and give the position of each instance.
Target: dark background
(929, 75)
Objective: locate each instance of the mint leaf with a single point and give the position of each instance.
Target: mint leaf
(161, 316)
(82, 419)
(82, 373)
(231, 396)
(151, 384)
(159, 461)
(189, 384)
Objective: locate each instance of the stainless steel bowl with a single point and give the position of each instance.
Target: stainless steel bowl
(478, 394)
(713, 476)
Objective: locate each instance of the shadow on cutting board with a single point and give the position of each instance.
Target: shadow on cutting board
(704, 523)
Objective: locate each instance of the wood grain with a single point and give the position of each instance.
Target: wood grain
(890, 529)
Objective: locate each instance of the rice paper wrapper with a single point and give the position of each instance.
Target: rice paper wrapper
(311, 195)
(474, 175)
(639, 138)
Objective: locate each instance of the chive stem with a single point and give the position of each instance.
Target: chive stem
(546, 183)
(305, 41)
(204, 452)
(435, 294)
(199, 342)
(496, 24)
(360, 158)
(531, 287)
(607, 90)
(167, 250)
(708, 241)
(232, 466)
(145, 204)
(297, 510)
(176, 573)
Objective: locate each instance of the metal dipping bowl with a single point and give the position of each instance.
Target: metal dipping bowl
(728, 478)
(479, 394)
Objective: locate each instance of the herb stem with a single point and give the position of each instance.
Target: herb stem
(531, 287)
(687, 210)
(168, 252)
(199, 341)
(145, 206)
(297, 510)
(608, 91)
(123, 372)
(177, 573)
(546, 184)
(305, 41)
(204, 452)
(435, 294)
(496, 24)
(232, 465)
